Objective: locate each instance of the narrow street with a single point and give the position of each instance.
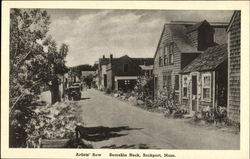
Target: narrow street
(111, 123)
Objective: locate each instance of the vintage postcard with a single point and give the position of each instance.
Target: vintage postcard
(166, 79)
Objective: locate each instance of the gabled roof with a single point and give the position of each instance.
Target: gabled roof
(179, 31)
(143, 61)
(138, 61)
(232, 19)
(180, 37)
(209, 60)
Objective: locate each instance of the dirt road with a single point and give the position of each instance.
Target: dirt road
(112, 123)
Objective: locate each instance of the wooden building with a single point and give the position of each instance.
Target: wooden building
(123, 72)
(204, 80)
(234, 42)
(180, 43)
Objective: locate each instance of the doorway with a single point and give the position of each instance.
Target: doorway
(193, 94)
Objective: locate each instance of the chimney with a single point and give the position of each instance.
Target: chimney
(201, 35)
(111, 58)
(103, 56)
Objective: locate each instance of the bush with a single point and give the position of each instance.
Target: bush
(179, 112)
(198, 116)
(144, 88)
(220, 114)
(210, 115)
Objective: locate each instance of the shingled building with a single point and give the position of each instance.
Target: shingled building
(180, 43)
(234, 66)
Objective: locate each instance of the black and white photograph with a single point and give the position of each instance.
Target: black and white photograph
(156, 79)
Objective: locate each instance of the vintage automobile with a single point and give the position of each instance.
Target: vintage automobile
(74, 92)
(77, 84)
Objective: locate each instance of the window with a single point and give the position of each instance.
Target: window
(171, 53)
(160, 61)
(165, 60)
(184, 86)
(127, 82)
(167, 81)
(166, 56)
(164, 80)
(176, 83)
(206, 87)
(125, 68)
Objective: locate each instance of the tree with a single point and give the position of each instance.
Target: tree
(27, 28)
(56, 65)
(34, 62)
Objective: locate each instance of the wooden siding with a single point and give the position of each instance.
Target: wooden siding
(160, 71)
(234, 69)
(201, 103)
(133, 68)
(117, 69)
(110, 78)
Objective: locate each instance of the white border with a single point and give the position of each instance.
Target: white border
(178, 5)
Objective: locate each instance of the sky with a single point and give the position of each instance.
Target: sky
(92, 33)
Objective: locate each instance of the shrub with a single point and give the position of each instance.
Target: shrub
(211, 115)
(144, 88)
(220, 114)
(180, 111)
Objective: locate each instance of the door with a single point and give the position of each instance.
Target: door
(105, 80)
(155, 86)
(193, 103)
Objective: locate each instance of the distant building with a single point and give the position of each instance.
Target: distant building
(101, 72)
(123, 72)
(180, 43)
(234, 42)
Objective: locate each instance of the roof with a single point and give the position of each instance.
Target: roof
(143, 61)
(180, 37)
(179, 31)
(197, 26)
(138, 61)
(232, 19)
(209, 60)
(189, 23)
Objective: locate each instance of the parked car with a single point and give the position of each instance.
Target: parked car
(74, 92)
(77, 84)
